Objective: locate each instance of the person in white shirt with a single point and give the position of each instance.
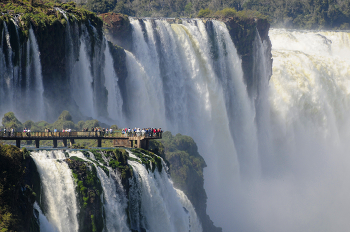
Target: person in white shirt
(138, 132)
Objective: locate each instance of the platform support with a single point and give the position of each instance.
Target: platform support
(18, 143)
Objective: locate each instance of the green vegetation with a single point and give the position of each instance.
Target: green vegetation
(227, 12)
(64, 121)
(182, 153)
(204, 13)
(230, 13)
(307, 14)
(42, 14)
(158, 8)
(117, 159)
(89, 191)
(16, 194)
(149, 159)
(98, 156)
(121, 156)
(10, 121)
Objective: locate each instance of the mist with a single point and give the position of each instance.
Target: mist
(303, 184)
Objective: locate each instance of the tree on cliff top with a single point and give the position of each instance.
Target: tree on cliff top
(65, 116)
(10, 121)
(64, 121)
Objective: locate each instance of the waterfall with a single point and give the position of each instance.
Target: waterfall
(56, 178)
(21, 84)
(305, 164)
(148, 57)
(159, 206)
(115, 217)
(260, 95)
(44, 223)
(81, 76)
(115, 102)
(276, 155)
(6, 82)
(194, 221)
(34, 86)
(161, 209)
(204, 96)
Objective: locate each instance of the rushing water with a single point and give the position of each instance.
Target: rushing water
(303, 186)
(21, 87)
(162, 207)
(59, 190)
(276, 156)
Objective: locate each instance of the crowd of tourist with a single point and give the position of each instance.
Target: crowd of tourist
(149, 132)
(126, 132)
(8, 133)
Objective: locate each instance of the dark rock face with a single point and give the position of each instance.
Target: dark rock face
(19, 188)
(243, 34)
(117, 29)
(119, 64)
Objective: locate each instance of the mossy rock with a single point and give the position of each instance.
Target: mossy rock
(89, 191)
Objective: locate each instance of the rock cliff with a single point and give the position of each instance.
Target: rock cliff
(243, 33)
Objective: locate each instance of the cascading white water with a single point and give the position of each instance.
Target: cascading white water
(161, 208)
(6, 82)
(276, 159)
(81, 76)
(152, 87)
(195, 224)
(114, 207)
(304, 183)
(205, 97)
(138, 95)
(26, 100)
(43, 222)
(56, 178)
(34, 87)
(281, 134)
(113, 200)
(115, 101)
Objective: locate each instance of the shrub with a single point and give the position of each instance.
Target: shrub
(227, 12)
(204, 13)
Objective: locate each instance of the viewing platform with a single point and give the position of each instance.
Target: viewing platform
(119, 140)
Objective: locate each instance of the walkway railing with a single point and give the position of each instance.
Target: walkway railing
(75, 134)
